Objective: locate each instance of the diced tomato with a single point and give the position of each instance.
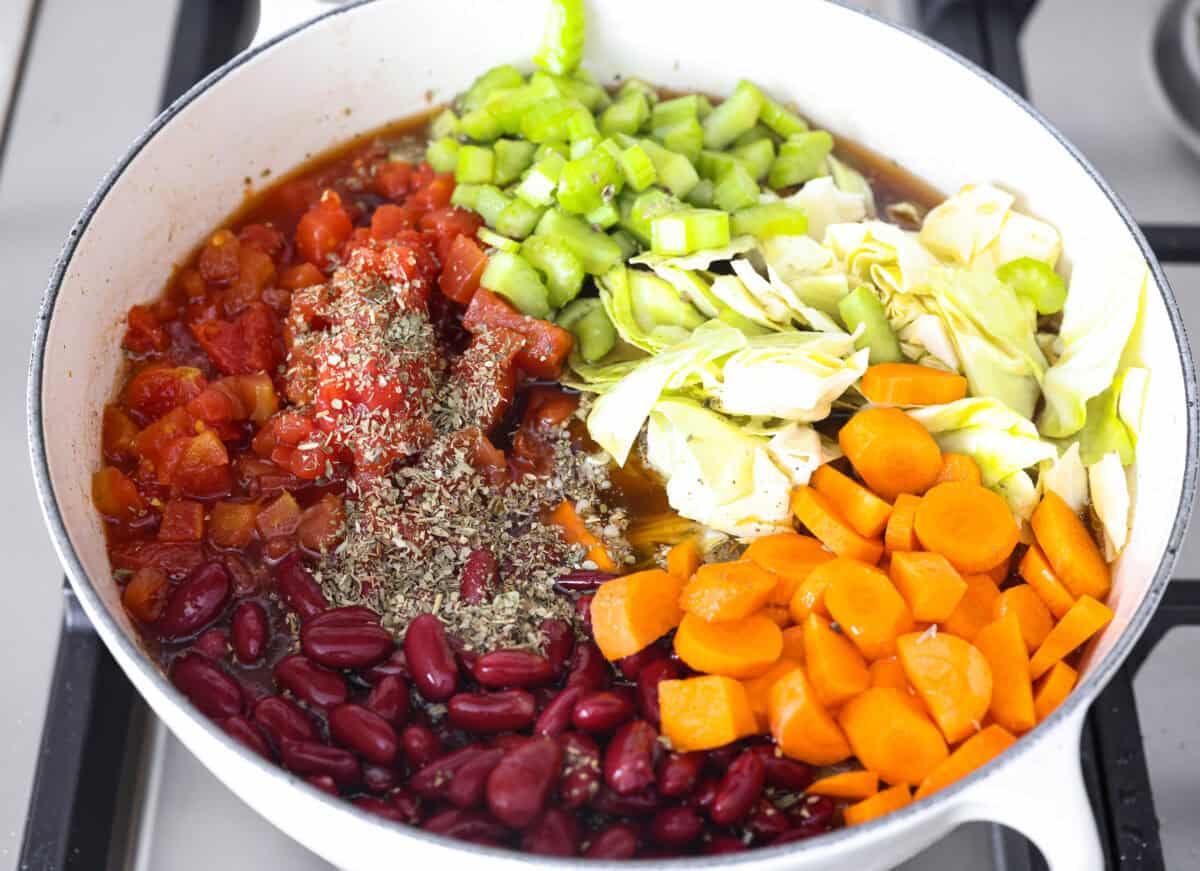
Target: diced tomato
(487, 459)
(483, 380)
(389, 220)
(448, 224)
(322, 524)
(258, 475)
(393, 179)
(198, 466)
(143, 332)
(115, 495)
(152, 441)
(117, 433)
(548, 406)
(175, 559)
(191, 285)
(256, 273)
(257, 393)
(423, 174)
(301, 275)
(218, 261)
(323, 229)
(217, 406)
(231, 524)
(546, 345)
(264, 238)
(242, 346)
(279, 518)
(182, 520)
(464, 267)
(434, 195)
(154, 391)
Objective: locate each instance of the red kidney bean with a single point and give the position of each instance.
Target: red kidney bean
(309, 682)
(518, 787)
(814, 813)
(584, 580)
(245, 733)
(583, 611)
(433, 779)
(466, 826)
(648, 680)
(559, 642)
(379, 807)
(196, 602)
(251, 632)
(346, 615)
(719, 759)
(430, 659)
(705, 792)
(365, 732)
(309, 757)
(485, 713)
(298, 588)
(213, 643)
(394, 666)
(509, 741)
(554, 833)
(800, 833)
(618, 841)
(324, 783)
(380, 779)
(479, 577)
(721, 844)
(421, 745)
(468, 786)
(556, 716)
(740, 788)
(581, 770)
(589, 669)
(512, 668)
(632, 665)
(389, 699)
(630, 757)
(281, 719)
(464, 659)
(678, 774)
(408, 805)
(601, 712)
(783, 773)
(215, 693)
(676, 826)
(345, 644)
(608, 802)
(765, 821)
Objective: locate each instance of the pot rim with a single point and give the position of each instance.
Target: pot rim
(931, 806)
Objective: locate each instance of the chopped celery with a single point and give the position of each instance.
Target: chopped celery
(496, 79)
(583, 146)
(547, 148)
(465, 196)
(735, 188)
(756, 156)
(589, 93)
(637, 167)
(629, 245)
(495, 240)
(754, 134)
(490, 201)
(636, 85)
(704, 107)
(509, 106)
(1037, 281)
(561, 269)
(445, 124)
(480, 125)
(596, 251)
(589, 182)
(686, 138)
(689, 230)
(442, 154)
(711, 164)
(476, 165)
(590, 90)
(668, 113)
(626, 115)
(562, 42)
(770, 219)
(553, 119)
(656, 302)
(603, 216)
(513, 157)
(611, 147)
(779, 119)
(703, 195)
(537, 188)
(861, 307)
(582, 125)
(511, 276)
(675, 171)
(588, 322)
(644, 208)
(518, 219)
(801, 157)
(735, 115)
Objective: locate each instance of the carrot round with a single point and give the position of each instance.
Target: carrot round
(890, 673)
(802, 727)
(959, 467)
(734, 648)
(1085, 619)
(911, 384)
(952, 677)
(1052, 688)
(1000, 571)
(890, 738)
(727, 591)
(701, 713)
(931, 586)
(1070, 548)
(834, 666)
(790, 556)
(866, 606)
(1001, 644)
(634, 611)
(967, 524)
(575, 531)
(974, 609)
(757, 688)
(683, 559)
(866, 513)
(1031, 612)
(848, 784)
(810, 594)
(976, 752)
(1036, 571)
(900, 534)
(823, 520)
(890, 451)
(878, 805)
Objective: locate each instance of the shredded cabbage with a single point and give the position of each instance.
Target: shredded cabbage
(825, 202)
(1066, 476)
(1110, 500)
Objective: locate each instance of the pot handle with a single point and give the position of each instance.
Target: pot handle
(276, 16)
(1042, 795)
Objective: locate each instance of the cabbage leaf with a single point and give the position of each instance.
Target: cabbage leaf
(1066, 476)
(1110, 501)
(977, 228)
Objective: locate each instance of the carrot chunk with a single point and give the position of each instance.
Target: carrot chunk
(867, 607)
(866, 513)
(890, 451)
(683, 559)
(757, 688)
(793, 643)
(701, 713)
(823, 520)
(900, 534)
(1031, 612)
(575, 531)
(890, 738)
(632, 612)
(911, 384)
(810, 594)
(1036, 571)
(931, 586)
(791, 557)
(1070, 548)
(777, 614)
(999, 572)
(952, 677)
(959, 467)
(734, 648)
(976, 752)
(878, 805)
(1001, 644)
(890, 673)
(727, 591)
(974, 609)
(967, 524)
(848, 784)
(802, 727)
(1052, 688)
(835, 668)
(1085, 619)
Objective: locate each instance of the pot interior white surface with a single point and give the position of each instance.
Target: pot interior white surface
(362, 67)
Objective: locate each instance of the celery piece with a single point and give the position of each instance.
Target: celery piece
(656, 302)
(1036, 281)
(546, 148)
(562, 42)
(537, 187)
(511, 276)
(589, 182)
(756, 156)
(775, 116)
(496, 79)
(479, 125)
(636, 85)
(594, 333)
(575, 310)
(861, 307)
(675, 171)
(495, 240)
(518, 219)
(637, 167)
(596, 251)
(770, 219)
(442, 154)
(490, 201)
(702, 195)
(611, 147)
(669, 113)
(513, 157)
(704, 106)
(735, 188)
(476, 165)
(626, 115)
(561, 269)
(591, 90)
(754, 134)
(603, 216)
(445, 124)
(584, 146)
(509, 106)
(582, 125)
(589, 93)
(711, 164)
(689, 230)
(735, 115)
(629, 245)
(465, 196)
(801, 157)
(686, 138)
(552, 119)
(644, 208)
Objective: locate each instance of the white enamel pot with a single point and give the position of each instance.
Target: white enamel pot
(362, 65)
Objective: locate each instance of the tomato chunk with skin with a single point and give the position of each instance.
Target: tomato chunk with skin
(153, 392)
(546, 345)
(393, 179)
(143, 332)
(198, 466)
(463, 269)
(483, 380)
(323, 229)
(241, 346)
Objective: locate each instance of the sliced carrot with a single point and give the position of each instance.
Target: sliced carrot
(878, 805)
(778, 615)
(734, 648)
(575, 531)
(911, 384)
(701, 713)
(821, 519)
(959, 467)
(974, 609)
(967, 524)
(1001, 644)
(929, 584)
(900, 534)
(1000, 571)
(632, 612)
(1031, 612)
(834, 666)
(848, 784)
(890, 451)
(727, 591)
(1052, 688)
(757, 688)
(890, 738)
(890, 673)
(976, 752)
(867, 607)
(793, 643)
(866, 513)
(683, 559)
(1085, 619)
(1070, 548)
(952, 677)
(801, 726)
(1036, 571)
(810, 594)
(790, 556)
